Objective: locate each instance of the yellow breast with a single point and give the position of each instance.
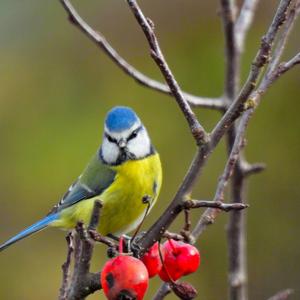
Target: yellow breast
(123, 207)
(123, 200)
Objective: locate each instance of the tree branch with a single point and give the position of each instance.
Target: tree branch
(147, 26)
(214, 204)
(236, 234)
(103, 44)
(244, 104)
(203, 153)
(244, 22)
(162, 292)
(284, 67)
(228, 8)
(83, 282)
(249, 169)
(282, 295)
(261, 59)
(292, 15)
(210, 214)
(66, 267)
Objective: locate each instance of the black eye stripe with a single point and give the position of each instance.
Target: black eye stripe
(111, 139)
(134, 133)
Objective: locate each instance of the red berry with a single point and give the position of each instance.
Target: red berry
(152, 260)
(179, 259)
(124, 276)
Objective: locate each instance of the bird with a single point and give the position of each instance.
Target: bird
(125, 169)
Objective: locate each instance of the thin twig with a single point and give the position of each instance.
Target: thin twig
(254, 168)
(284, 67)
(238, 107)
(97, 237)
(234, 44)
(232, 59)
(282, 295)
(66, 267)
(215, 204)
(103, 44)
(261, 59)
(80, 283)
(292, 15)
(210, 214)
(269, 79)
(147, 26)
(244, 22)
(202, 154)
(162, 292)
(173, 235)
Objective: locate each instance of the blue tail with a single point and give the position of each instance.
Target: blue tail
(30, 230)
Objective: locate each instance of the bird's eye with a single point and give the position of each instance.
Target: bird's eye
(133, 135)
(110, 139)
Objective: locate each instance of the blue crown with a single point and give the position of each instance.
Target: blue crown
(120, 118)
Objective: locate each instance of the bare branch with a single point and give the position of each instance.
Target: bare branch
(162, 292)
(292, 15)
(282, 295)
(82, 283)
(284, 67)
(210, 214)
(97, 237)
(244, 104)
(173, 235)
(244, 22)
(164, 289)
(249, 169)
(147, 26)
(240, 105)
(260, 60)
(156, 231)
(236, 160)
(103, 44)
(215, 204)
(277, 73)
(232, 59)
(66, 267)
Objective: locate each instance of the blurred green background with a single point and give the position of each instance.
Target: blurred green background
(55, 89)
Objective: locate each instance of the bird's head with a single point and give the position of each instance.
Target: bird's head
(125, 137)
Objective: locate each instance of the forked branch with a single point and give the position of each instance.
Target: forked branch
(104, 45)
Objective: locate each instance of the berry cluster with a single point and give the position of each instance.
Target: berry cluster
(126, 277)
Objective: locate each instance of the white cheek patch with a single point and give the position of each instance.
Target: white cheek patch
(109, 151)
(140, 146)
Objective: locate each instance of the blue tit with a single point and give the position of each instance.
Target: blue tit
(124, 170)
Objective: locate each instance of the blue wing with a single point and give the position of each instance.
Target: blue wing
(94, 180)
(96, 177)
